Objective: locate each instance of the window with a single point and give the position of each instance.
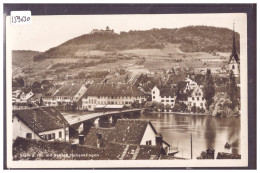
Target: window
(29, 135)
(162, 100)
(53, 136)
(199, 94)
(153, 97)
(49, 136)
(172, 100)
(192, 98)
(233, 67)
(195, 94)
(167, 100)
(198, 98)
(60, 134)
(201, 104)
(153, 92)
(194, 104)
(202, 98)
(148, 142)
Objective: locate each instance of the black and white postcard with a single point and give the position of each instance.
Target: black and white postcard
(126, 90)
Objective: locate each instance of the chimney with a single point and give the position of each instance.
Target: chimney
(73, 146)
(99, 140)
(81, 139)
(159, 140)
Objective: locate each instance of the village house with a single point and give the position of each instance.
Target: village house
(24, 97)
(130, 136)
(128, 140)
(70, 93)
(123, 94)
(16, 96)
(45, 123)
(165, 95)
(48, 97)
(196, 98)
(36, 99)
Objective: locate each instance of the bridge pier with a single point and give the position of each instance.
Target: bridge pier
(86, 126)
(104, 118)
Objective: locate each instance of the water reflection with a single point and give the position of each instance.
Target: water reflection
(207, 131)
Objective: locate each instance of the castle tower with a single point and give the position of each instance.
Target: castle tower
(234, 63)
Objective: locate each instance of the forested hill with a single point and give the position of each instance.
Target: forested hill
(190, 39)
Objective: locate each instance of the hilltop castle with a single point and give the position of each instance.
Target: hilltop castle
(108, 30)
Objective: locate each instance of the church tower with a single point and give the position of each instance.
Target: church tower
(234, 63)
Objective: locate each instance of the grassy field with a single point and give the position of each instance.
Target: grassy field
(156, 60)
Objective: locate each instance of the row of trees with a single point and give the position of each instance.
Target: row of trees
(232, 90)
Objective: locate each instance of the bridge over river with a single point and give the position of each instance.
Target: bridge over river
(89, 118)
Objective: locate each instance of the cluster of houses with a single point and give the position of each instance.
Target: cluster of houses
(39, 133)
(98, 95)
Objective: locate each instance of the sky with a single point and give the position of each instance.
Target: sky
(46, 32)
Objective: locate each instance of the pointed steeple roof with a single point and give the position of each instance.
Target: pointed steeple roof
(234, 50)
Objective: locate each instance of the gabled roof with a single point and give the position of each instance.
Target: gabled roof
(91, 137)
(183, 96)
(129, 131)
(121, 89)
(36, 96)
(50, 93)
(118, 151)
(69, 90)
(59, 150)
(176, 79)
(41, 119)
(167, 90)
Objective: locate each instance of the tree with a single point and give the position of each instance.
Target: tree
(36, 87)
(233, 90)
(135, 104)
(167, 107)
(81, 75)
(177, 107)
(209, 89)
(193, 109)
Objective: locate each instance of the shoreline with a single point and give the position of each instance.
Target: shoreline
(182, 113)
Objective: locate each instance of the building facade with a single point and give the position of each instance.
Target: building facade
(196, 98)
(111, 94)
(165, 95)
(45, 123)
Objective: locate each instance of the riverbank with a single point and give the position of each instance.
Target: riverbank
(180, 113)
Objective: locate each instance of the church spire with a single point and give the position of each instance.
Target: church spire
(234, 50)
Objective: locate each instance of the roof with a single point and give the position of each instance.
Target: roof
(59, 150)
(176, 79)
(183, 96)
(50, 93)
(54, 150)
(69, 90)
(133, 152)
(129, 131)
(182, 85)
(167, 90)
(91, 137)
(120, 89)
(36, 96)
(41, 119)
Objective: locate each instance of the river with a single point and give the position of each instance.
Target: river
(207, 131)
